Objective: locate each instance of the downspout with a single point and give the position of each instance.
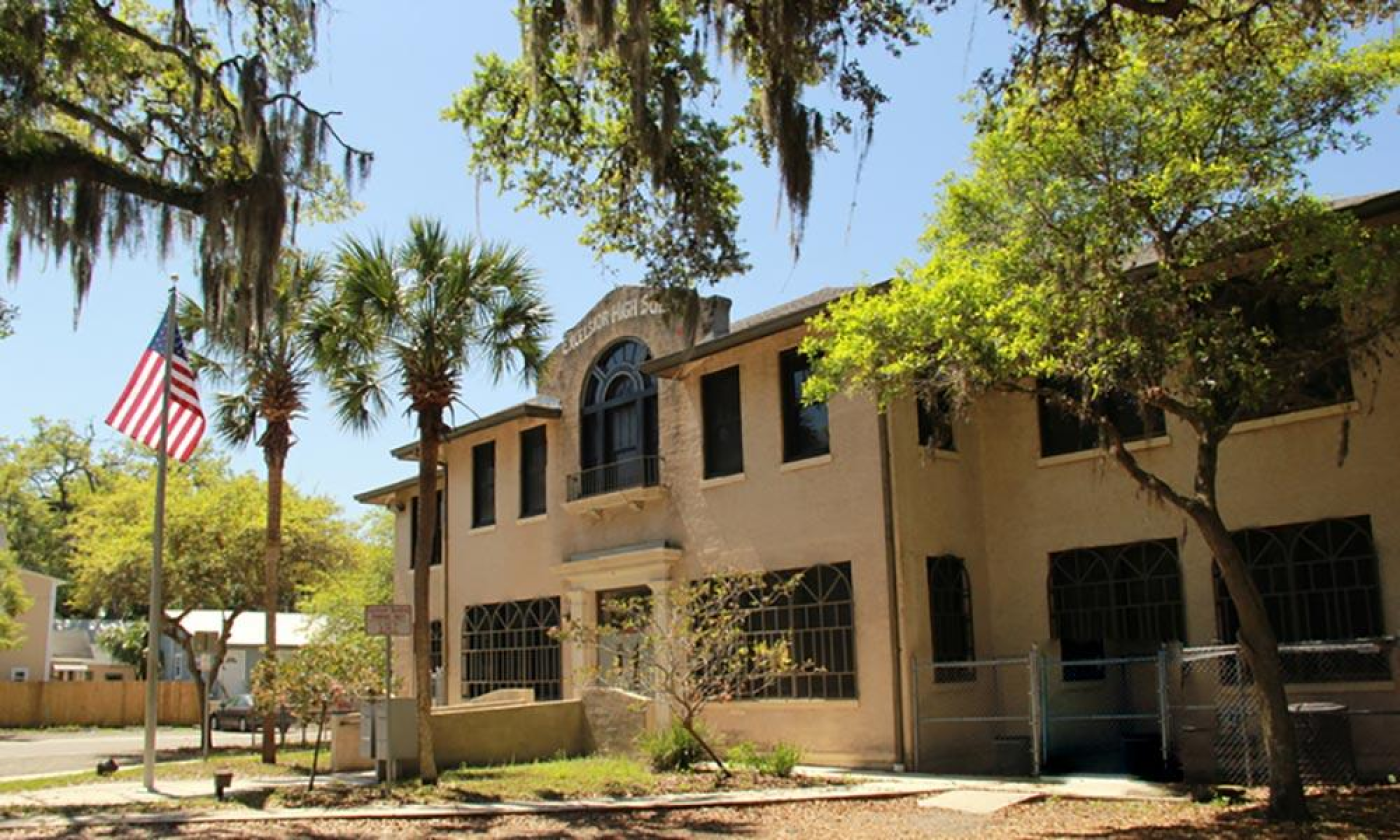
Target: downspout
(892, 577)
(446, 587)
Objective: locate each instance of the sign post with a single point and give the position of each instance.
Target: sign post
(203, 644)
(388, 620)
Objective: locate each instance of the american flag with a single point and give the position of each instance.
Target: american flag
(137, 412)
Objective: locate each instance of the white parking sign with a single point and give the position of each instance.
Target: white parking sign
(389, 619)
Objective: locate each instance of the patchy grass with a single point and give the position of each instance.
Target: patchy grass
(187, 765)
(559, 779)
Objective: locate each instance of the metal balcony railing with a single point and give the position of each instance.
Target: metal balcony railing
(642, 471)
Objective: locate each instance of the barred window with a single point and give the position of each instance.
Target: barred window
(950, 617)
(435, 645)
(1320, 582)
(1123, 593)
(817, 618)
(510, 645)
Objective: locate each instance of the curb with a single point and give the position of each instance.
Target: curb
(674, 802)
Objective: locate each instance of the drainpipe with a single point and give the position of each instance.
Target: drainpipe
(446, 587)
(893, 579)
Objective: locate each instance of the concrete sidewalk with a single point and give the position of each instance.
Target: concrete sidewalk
(861, 785)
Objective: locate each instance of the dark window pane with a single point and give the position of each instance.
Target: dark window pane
(534, 455)
(1062, 432)
(484, 484)
(436, 557)
(936, 422)
(816, 620)
(724, 437)
(435, 645)
(617, 424)
(805, 432)
(950, 616)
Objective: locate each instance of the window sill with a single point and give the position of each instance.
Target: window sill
(531, 520)
(481, 529)
(771, 702)
(1097, 452)
(805, 463)
(721, 480)
(943, 454)
(1319, 413)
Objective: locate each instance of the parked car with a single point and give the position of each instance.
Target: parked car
(239, 715)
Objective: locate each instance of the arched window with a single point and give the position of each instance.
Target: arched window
(618, 422)
(950, 617)
(512, 645)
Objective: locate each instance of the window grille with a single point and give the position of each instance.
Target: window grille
(1320, 582)
(435, 645)
(1126, 593)
(817, 618)
(950, 617)
(510, 645)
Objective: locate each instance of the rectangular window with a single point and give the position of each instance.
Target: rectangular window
(1320, 582)
(19, 675)
(435, 645)
(724, 435)
(436, 557)
(512, 645)
(950, 618)
(805, 431)
(484, 484)
(534, 455)
(936, 422)
(817, 618)
(1062, 432)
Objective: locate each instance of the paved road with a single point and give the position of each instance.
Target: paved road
(26, 752)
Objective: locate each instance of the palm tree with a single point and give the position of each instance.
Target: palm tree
(268, 370)
(420, 314)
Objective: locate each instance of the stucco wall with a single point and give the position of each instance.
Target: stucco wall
(36, 623)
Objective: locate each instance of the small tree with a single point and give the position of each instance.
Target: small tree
(318, 678)
(13, 600)
(125, 642)
(698, 651)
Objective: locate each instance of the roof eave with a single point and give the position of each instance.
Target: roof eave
(383, 495)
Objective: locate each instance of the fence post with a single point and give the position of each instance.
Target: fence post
(914, 704)
(1033, 696)
(1163, 703)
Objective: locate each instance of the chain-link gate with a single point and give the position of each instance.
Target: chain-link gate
(978, 717)
(1106, 715)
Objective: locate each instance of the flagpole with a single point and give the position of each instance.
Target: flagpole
(156, 617)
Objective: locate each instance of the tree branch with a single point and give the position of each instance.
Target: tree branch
(59, 159)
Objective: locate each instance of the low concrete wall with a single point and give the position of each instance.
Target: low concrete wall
(604, 720)
(94, 703)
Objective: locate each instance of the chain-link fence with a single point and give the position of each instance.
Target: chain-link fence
(1186, 712)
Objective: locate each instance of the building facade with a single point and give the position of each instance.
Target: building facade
(655, 453)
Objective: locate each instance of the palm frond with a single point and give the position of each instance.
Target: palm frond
(235, 418)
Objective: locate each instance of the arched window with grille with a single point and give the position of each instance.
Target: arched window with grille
(618, 423)
(1128, 595)
(817, 619)
(1320, 582)
(512, 645)
(950, 617)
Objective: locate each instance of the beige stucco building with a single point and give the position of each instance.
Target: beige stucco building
(654, 454)
(32, 659)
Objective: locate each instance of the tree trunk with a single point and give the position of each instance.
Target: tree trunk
(1259, 650)
(275, 443)
(1258, 643)
(316, 751)
(429, 431)
(689, 726)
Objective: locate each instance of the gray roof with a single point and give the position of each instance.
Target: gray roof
(537, 406)
(768, 322)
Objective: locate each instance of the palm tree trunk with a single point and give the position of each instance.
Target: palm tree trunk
(275, 443)
(429, 432)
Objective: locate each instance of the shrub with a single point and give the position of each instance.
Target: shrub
(783, 759)
(672, 748)
(779, 761)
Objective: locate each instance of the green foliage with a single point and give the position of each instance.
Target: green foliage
(213, 541)
(13, 601)
(44, 479)
(125, 642)
(673, 748)
(8, 313)
(778, 761)
(121, 122)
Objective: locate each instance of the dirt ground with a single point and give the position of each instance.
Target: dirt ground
(1365, 812)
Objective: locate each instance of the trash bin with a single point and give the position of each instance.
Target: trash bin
(1325, 754)
(1013, 756)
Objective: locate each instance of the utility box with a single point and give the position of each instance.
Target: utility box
(384, 724)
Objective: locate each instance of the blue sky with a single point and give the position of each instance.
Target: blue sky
(391, 68)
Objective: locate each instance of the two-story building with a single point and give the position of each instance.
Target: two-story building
(653, 454)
